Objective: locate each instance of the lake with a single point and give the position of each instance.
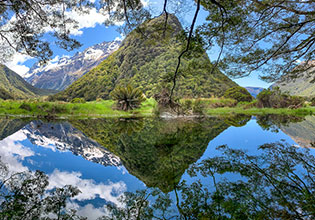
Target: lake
(239, 167)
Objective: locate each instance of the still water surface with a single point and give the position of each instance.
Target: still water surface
(240, 168)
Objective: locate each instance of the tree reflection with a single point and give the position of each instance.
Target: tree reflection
(24, 196)
(277, 184)
(274, 122)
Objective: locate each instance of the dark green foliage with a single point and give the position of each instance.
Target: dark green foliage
(276, 99)
(238, 93)
(25, 106)
(313, 101)
(127, 98)
(198, 107)
(78, 100)
(148, 62)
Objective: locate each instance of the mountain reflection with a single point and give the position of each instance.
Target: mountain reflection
(300, 129)
(156, 151)
(10, 126)
(64, 136)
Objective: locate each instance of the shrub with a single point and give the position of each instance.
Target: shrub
(238, 93)
(198, 107)
(276, 99)
(25, 106)
(186, 106)
(128, 97)
(313, 101)
(99, 100)
(78, 100)
(57, 109)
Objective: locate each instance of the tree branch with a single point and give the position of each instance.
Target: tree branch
(186, 50)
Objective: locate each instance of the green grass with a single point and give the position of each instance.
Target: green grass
(65, 109)
(106, 109)
(261, 111)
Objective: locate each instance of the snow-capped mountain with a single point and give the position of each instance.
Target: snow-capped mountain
(59, 73)
(64, 137)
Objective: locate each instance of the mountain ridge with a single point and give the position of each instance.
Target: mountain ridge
(13, 86)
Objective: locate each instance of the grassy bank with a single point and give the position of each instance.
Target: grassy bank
(106, 109)
(65, 109)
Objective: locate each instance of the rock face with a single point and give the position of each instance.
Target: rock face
(147, 59)
(60, 73)
(64, 137)
(13, 86)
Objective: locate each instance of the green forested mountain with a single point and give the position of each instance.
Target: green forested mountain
(13, 86)
(147, 58)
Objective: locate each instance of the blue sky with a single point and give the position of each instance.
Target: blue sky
(92, 32)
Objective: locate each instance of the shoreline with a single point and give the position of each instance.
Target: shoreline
(105, 109)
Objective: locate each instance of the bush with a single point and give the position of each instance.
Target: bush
(313, 101)
(26, 106)
(276, 99)
(198, 107)
(78, 100)
(238, 93)
(57, 109)
(127, 98)
(186, 106)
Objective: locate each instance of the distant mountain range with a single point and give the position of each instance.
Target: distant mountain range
(147, 60)
(254, 91)
(304, 85)
(60, 73)
(13, 86)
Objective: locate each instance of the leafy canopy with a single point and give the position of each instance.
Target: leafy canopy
(238, 93)
(271, 36)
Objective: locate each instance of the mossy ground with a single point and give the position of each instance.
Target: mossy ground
(105, 108)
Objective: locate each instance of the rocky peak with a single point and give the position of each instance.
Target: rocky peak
(59, 73)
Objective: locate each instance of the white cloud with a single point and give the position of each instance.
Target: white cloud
(16, 63)
(13, 153)
(89, 211)
(89, 189)
(86, 20)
